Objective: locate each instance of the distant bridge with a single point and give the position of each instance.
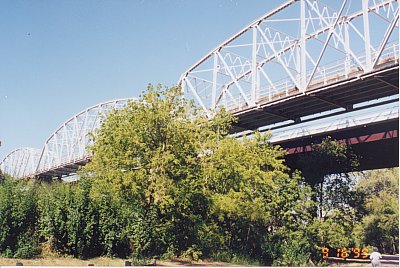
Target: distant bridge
(65, 150)
(302, 63)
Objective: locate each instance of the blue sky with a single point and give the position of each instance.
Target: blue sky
(59, 57)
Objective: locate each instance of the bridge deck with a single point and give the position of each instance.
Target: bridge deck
(343, 93)
(61, 171)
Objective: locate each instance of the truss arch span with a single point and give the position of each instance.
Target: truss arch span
(21, 162)
(298, 46)
(66, 148)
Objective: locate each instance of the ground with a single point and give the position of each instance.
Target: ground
(388, 261)
(102, 261)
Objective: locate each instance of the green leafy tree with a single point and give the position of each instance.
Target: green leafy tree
(53, 210)
(380, 225)
(323, 170)
(337, 210)
(192, 190)
(150, 152)
(68, 220)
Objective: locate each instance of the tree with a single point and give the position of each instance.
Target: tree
(332, 190)
(191, 189)
(336, 200)
(68, 220)
(380, 225)
(150, 152)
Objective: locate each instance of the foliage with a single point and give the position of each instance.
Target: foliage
(327, 157)
(165, 181)
(18, 217)
(333, 192)
(196, 189)
(67, 219)
(150, 152)
(380, 225)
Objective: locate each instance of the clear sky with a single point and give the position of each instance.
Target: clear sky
(60, 57)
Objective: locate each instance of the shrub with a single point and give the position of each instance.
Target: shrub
(18, 219)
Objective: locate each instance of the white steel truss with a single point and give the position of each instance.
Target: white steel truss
(297, 45)
(21, 162)
(67, 145)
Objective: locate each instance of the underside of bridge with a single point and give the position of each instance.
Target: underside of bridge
(345, 94)
(61, 171)
(377, 145)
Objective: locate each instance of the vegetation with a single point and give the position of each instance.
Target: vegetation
(164, 181)
(380, 225)
(333, 192)
(18, 219)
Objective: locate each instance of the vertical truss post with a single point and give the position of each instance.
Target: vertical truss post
(303, 30)
(367, 43)
(214, 84)
(183, 88)
(347, 48)
(254, 75)
(298, 71)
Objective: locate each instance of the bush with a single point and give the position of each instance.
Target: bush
(68, 220)
(18, 219)
(26, 246)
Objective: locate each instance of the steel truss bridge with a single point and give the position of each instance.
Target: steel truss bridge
(306, 69)
(65, 150)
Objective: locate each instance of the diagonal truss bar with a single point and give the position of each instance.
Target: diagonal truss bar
(386, 38)
(187, 81)
(326, 43)
(233, 78)
(277, 56)
(337, 36)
